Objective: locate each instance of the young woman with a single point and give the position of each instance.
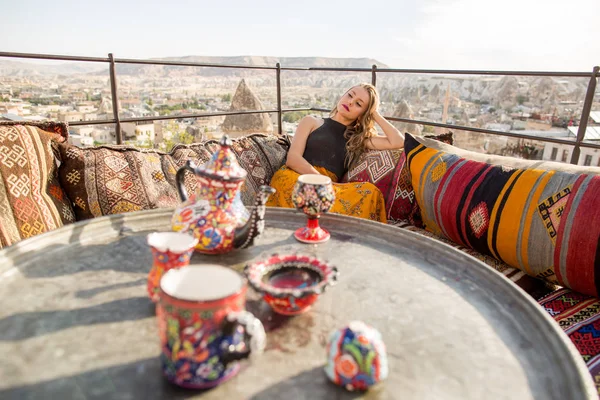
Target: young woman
(329, 146)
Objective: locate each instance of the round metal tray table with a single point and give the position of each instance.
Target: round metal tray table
(75, 321)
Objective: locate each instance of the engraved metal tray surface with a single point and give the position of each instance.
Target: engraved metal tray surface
(75, 321)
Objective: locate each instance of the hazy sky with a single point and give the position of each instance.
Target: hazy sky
(554, 35)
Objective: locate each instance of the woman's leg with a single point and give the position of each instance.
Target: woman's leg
(359, 199)
(283, 182)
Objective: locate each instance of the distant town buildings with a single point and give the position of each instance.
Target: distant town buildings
(536, 106)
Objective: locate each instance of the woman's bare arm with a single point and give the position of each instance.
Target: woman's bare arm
(295, 160)
(393, 139)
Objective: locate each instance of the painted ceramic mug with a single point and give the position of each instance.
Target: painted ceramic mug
(313, 194)
(169, 250)
(203, 325)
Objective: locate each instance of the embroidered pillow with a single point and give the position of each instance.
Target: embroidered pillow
(109, 180)
(31, 198)
(387, 170)
(380, 167)
(261, 155)
(539, 217)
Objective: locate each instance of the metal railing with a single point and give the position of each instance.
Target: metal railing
(374, 70)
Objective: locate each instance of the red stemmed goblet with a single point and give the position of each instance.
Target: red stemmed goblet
(313, 195)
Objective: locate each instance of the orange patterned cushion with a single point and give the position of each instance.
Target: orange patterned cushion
(31, 199)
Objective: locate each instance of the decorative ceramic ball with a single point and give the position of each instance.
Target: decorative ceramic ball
(356, 357)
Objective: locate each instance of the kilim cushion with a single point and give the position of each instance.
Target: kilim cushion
(31, 198)
(108, 180)
(197, 153)
(579, 317)
(259, 154)
(387, 170)
(383, 169)
(539, 217)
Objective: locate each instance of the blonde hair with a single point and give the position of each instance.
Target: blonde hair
(362, 129)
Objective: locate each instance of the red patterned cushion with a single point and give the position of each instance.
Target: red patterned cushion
(579, 317)
(387, 170)
(381, 168)
(31, 198)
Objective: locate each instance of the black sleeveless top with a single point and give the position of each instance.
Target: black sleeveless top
(326, 147)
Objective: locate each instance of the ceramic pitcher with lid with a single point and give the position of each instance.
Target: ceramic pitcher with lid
(215, 214)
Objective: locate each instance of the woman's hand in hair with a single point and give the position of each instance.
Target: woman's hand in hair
(375, 109)
(393, 138)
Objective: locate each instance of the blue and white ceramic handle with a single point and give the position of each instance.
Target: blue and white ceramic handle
(254, 337)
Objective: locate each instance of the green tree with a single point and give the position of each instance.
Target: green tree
(226, 98)
(294, 116)
(179, 135)
(150, 102)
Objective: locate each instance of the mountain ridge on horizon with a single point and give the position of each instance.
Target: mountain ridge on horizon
(12, 67)
(304, 61)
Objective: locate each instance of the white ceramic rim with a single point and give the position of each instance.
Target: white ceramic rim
(200, 282)
(176, 242)
(314, 179)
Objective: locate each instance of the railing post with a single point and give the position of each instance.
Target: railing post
(279, 113)
(115, 98)
(374, 75)
(585, 115)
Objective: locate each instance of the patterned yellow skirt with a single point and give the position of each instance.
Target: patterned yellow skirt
(357, 199)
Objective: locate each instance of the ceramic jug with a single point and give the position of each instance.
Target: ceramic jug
(214, 214)
(203, 325)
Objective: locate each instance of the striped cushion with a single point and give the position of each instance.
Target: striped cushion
(31, 198)
(541, 218)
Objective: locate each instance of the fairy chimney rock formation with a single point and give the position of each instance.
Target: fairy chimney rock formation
(239, 125)
(404, 110)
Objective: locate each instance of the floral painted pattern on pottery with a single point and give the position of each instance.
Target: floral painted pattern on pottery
(290, 284)
(169, 250)
(215, 214)
(313, 194)
(201, 339)
(356, 357)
